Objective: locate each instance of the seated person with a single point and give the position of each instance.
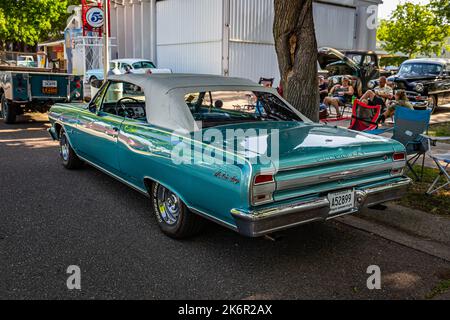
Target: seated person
(323, 88)
(379, 95)
(401, 100)
(339, 95)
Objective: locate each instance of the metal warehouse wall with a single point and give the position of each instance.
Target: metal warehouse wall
(133, 27)
(251, 48)
(189, 35)
(193, 36)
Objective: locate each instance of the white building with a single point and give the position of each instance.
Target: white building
(230, 37)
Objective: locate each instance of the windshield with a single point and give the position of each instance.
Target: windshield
(216, 108)
(420, 69)
(143, 65)
(355, 57)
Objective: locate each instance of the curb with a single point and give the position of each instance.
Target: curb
(433, 248)
(411, 221)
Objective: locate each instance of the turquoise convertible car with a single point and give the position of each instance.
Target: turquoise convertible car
(228, 150)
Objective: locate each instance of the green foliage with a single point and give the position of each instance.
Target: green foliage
(413, 29)
(31, 21)
(441, 9)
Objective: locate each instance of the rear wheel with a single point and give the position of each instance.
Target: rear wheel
(8, 110)
(173, 217)
(69, 159)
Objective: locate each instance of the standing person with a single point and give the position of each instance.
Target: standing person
(339, 95)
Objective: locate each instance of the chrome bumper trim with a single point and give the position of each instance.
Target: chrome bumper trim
(256, 223)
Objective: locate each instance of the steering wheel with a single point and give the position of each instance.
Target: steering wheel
(120, 105)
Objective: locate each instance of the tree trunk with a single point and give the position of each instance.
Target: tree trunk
(296, 47)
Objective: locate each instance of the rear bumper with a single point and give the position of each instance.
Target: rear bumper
(260, 222)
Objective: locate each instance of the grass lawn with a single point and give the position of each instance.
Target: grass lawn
(437, 203)
(440, 130)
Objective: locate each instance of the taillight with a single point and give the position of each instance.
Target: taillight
(399, 156)
(263, 189)
(396, 172)
(263, 178)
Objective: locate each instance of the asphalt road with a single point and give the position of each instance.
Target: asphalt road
(52, 218)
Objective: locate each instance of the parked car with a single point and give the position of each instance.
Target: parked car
(30, 89)
(360, 65)
(137, 66)
(426, 81)
(136, 123)
(26, 61)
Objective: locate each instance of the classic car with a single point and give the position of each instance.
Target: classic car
(284, 170)
(138, 66)
(426, 81)
(360, 65)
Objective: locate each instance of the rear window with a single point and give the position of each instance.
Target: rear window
(216, 108)
(143, 65)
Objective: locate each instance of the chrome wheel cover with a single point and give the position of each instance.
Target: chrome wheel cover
(64, 148)
(168, 205)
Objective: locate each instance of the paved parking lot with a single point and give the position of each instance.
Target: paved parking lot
(52, 218)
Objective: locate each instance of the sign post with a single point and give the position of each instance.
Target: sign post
(106, 39)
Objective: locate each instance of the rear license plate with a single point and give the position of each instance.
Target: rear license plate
(49, 86)
(341, 201)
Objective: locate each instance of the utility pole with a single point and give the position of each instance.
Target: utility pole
(106, 39)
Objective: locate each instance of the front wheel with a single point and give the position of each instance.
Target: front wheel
(69, 159)
(174, 218)
(8, 110)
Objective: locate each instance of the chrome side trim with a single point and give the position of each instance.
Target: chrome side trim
(336, 176)
(144, 192)
(115, 176)
(318, 164)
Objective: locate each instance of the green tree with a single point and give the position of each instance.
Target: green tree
(441, 9)
(296, 47)
(413, 29)
(31, 21)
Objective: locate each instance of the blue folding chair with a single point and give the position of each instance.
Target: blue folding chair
(409, 127)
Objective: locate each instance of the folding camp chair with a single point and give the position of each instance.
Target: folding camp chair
(364, 117)
(409, 127)
(439, 159)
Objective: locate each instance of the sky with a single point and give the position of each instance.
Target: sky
(388, 6)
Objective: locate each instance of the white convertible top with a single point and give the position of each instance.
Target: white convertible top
(165, 95)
